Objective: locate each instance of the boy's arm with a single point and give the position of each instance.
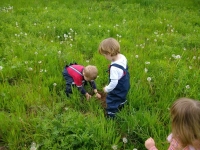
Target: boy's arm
(93, 85)
(83, 91)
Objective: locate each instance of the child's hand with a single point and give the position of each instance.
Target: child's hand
(88, 96)
(98, 95)
(149, 143)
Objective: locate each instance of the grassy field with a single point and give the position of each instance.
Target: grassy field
(160, 38)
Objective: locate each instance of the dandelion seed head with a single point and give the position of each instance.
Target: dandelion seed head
(114, 147)
(125, 140)
(187, 86)
(149, 79)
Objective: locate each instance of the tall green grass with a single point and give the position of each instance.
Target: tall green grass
(160, 39)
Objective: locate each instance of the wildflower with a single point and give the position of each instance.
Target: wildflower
(149, 79)
(66, 108)
(39, 62)
(114, 147)
(87, 61)
(136, 56)
(54, 84)
(187, 86)
(155, 40)
(190, 67)
(135, 149)
(194, 57)
(36, 53)
(125, 140)
(1, 68)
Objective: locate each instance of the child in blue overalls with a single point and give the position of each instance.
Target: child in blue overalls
(119, 79)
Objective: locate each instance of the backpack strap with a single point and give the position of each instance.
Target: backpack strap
(76, 70)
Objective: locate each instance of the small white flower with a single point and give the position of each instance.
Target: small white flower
(39, 62)
(125, 140)
(136, 56)
(149, 79)
(54, 84)
(59, 52)
(1, 68)
(30, 69)
(135, 149)
(65, 35)
(145, 70)
(114, 147)
(194, 57)
(147, 62)
(66, 108)
(184, 49)
(87, 61)
(187, 86)
(177, 57)
(33, 146)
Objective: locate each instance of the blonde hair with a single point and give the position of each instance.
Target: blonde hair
(90, 72)
(109, 46)
(185, 115)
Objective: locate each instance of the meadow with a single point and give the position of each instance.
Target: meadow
(160, 38)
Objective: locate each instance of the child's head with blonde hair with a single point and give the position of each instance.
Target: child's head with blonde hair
(90, 72)
(185, 115)
(109, 46)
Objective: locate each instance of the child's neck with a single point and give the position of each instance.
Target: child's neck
(115, 58)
